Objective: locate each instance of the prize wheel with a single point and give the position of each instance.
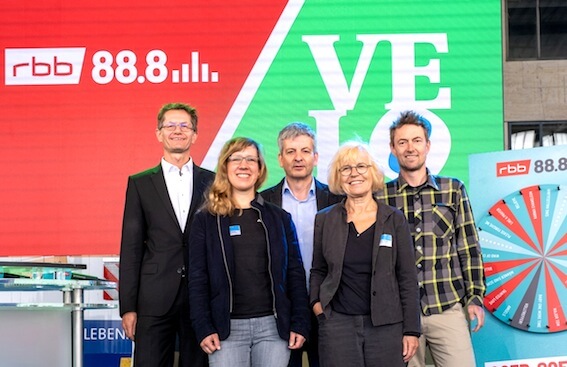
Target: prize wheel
(524, 244)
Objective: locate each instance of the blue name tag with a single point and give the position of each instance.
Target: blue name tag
(386, 240)
(234, 230)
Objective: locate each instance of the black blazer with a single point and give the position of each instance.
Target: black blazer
(153, 252)
(322, 193)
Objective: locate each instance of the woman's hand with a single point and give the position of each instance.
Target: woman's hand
(410, 344)
(295, 340)
(317, 309)
(211, 343)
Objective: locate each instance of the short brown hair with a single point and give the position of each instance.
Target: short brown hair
(410, 118)
(178, 106)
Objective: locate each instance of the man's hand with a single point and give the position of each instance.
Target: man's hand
(410, 344)
(476, 313)
(129, 320)
(211, 343)
(296, 340)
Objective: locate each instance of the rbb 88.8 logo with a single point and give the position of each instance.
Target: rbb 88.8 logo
(126, 72)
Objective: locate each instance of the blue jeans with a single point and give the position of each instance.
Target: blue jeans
(252, 343)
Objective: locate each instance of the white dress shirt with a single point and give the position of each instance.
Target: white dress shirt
(179, 184)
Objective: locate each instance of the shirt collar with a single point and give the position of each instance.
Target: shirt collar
(403, 184)
(169, 168)
(285, 188)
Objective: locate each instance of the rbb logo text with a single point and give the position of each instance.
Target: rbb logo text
(513, 168)
(43, 66)
(56, 68)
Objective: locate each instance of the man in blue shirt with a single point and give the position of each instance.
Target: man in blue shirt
(300, 194)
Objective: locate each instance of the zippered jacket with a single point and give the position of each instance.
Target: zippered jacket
(212, 264)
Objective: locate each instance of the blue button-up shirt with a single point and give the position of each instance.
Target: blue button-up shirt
(303, 215)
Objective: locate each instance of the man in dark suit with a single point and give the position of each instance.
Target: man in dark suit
(302, 196)
(160, 204)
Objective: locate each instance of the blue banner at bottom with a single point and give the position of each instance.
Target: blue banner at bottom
(105, 344)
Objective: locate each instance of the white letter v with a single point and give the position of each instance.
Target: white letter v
(323, 51)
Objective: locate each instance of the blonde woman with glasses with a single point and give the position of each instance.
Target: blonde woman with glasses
(363, 284)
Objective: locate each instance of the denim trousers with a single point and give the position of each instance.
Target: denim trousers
(252, 342)
(352, 341)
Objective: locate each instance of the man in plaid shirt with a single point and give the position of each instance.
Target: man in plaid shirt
(448, 258)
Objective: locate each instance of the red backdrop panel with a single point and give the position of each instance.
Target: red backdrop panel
(66, 150)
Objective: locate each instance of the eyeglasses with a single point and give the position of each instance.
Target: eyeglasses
(183, 126)
(361, 168)
(238, 159)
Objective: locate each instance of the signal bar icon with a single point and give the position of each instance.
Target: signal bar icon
(195, 72)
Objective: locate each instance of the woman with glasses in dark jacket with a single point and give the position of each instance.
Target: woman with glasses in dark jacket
(247, 289)
(363, 284)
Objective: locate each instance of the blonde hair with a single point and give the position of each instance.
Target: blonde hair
(219, 199)
(351, 153)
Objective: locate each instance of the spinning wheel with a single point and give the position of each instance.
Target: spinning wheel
(524, 243)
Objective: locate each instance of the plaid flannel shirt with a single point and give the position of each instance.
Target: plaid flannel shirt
(448, 255)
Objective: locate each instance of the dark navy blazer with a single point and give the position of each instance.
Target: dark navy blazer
(211, 266)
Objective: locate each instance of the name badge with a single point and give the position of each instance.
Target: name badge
(386, 240)
(234, 230)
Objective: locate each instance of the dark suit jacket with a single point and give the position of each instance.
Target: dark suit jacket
(153, 253)
(394, 291)
(322, 193)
